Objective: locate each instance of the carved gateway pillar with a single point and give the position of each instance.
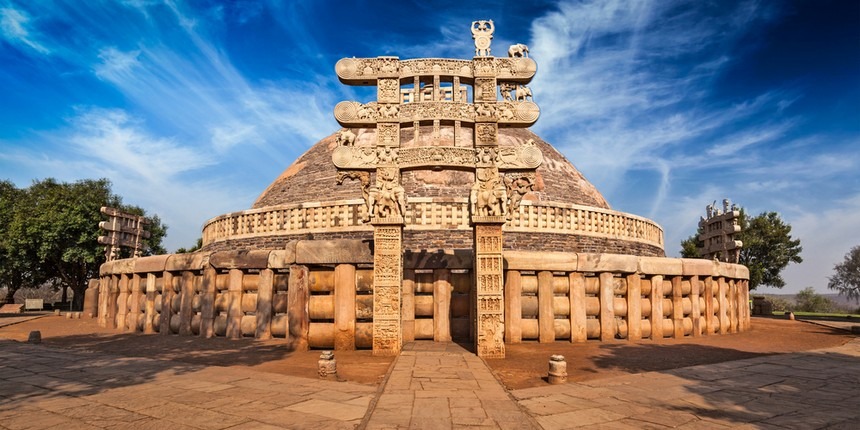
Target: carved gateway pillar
(502, 174)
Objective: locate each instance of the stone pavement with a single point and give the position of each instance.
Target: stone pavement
(42, 388)
(9, 319)
(430, 385)
(807, 390)
(436, 385)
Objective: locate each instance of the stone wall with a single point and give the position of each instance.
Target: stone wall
(319, 294)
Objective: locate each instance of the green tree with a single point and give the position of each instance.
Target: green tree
(53, 234)
(807, 300)
(196, 247)
(846, 280)
(18, 260)
(768, 248)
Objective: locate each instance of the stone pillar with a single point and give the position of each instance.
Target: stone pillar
(634, 307)
(724, 319)
(186, 310)
(387, 277)
(122, 303)
(513, 307)
(709, 305)
(677, 308)
(207, 302)
(298, 294)
(263, 310)
(234, 308)
(695, 307)
(607, 306)
(657, 307)
(91, 299)
(134, 312)
(442, 305)
(104, 292)
(546, 317)
(149, 307)
(407, 307)
(734, 306)
(344, 307)
(489, 292)
(578, 331)
(166, 303)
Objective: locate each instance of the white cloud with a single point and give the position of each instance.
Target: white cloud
(14, 25)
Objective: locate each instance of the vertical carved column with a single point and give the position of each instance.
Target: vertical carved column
(578, 331)
(657, 307)
(207, 302)
(344, 307)
(407, 306)
(634, 307)
(607, 306)
(677, 308)
(709, 305)
(263, 310)
(546, 317)
(122, 303)
(149, 311)
(724, 319)
(166, 303)
(134, 315)
(298, 295)
(185, 305)
(488, 273)
(442, 305)
(695, 308)
(513, 307)
(234, 308)
(387, 276)
(104, 293)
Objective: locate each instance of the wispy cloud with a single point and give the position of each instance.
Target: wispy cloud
(14, 25)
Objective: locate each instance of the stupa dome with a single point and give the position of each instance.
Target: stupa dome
(562, 210)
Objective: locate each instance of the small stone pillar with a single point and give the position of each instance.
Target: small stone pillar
(789, 315)
(557, 370)
(35, 337)
(327, 366)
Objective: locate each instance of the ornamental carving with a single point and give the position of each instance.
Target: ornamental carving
(488, 196)
(518, 185)
(504, 112)
(434, 156)
(388, 134)
(482, 32)
(359, 70)
(485, 134)
(505, 158)
(388, 91)
(387, 198)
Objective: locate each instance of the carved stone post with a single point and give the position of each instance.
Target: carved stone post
(387, 275)
(490, 326)
(149, 312)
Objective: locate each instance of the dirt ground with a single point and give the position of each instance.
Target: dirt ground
(525, 365)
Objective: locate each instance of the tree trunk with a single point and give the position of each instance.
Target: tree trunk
(10, 294)
(78, 297)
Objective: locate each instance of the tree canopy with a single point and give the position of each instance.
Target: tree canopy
(846, 280)
(50, 233)
(768, 248)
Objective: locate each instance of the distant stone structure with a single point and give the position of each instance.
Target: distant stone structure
(434, 213)
(123, 230)
(717, 240)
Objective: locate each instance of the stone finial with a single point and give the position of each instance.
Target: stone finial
(35, 337)
(327, 365)
(482, 32)
(557, 370)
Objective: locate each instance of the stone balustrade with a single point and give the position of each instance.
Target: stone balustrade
(430, 213)
(320, 294)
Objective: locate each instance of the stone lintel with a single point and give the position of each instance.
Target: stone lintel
(488, 220)
(339, 251)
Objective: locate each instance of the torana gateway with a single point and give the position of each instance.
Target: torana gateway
(433, 214)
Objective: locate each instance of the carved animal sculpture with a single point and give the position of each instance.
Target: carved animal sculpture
(387, 203)
(518, 50)
(490, 202)
(346, 138)
(524, 93)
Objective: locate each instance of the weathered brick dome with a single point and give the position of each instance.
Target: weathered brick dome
(562, 212)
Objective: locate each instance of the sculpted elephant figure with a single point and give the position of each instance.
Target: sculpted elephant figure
(524, 93)
(388, 201)
(489, 202)
(518, 50)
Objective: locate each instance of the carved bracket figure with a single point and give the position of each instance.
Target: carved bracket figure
(518, 50)
(364, 180)
(518, 185)
(488, 196)
(387, 198)
(345, 138)
(506, 89)
(524, 93)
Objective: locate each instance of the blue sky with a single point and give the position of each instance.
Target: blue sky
(192, 108)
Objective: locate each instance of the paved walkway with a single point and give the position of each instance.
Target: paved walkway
(442, 386)
(808, 390)
(9, 319)
(430, 385)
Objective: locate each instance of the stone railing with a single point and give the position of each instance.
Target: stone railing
(320, 294)
(424, 213)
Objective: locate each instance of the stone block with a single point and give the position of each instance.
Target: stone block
(190, 261)
(440, 259)
(587, 262)
(153, 263)
(660, 266)
(244, 259)
(531, 260)
(283, 258)
(333, 251)
(698, 267)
